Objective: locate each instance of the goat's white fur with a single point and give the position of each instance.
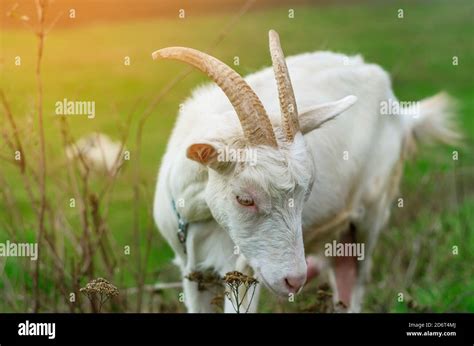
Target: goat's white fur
(373, 144)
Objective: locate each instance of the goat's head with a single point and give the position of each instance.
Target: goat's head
(258, 193)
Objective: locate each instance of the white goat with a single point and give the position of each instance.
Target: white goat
(331, 182)
(98, 151)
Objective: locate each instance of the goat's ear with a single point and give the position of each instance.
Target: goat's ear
(206, 154)
(203, 153)
(313, 117)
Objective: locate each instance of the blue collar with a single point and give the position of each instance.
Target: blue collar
(182, 226)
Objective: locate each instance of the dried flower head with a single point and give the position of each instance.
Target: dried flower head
(238, 278)
(239, 285)
(205, 279)
(99, 289)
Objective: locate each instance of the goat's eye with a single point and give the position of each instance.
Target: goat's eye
(245, 201)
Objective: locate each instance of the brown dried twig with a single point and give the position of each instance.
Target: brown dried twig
(41, 7)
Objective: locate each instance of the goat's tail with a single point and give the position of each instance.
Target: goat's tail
(430, 121)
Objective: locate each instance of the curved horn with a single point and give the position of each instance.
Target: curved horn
(252, 115)
(289, 112)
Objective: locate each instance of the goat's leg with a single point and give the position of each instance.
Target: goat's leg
(350, 273)
(196, 297)
(365, 266)
(197, 300)
(345, 272)
(202, 241)
(363, 275)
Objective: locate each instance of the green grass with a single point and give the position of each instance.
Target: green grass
(87, 64)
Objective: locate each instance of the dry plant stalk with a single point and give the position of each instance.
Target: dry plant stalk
(41, 7)
(324, 301)
(239, 285)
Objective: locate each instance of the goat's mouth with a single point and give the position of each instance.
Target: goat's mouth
(267, 285)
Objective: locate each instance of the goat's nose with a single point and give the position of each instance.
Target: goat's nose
(295, 282)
